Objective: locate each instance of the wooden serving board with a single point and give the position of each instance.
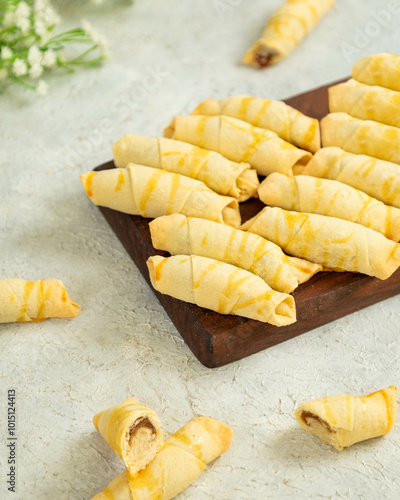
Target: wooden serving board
(217, 339)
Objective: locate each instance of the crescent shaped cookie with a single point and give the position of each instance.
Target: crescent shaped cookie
(182, 459)
(218, 173)
(133, 432)
(343, 420)
(289, 24)
(379, 69)
(361, 136)
(25, 301)
(239, 141)
(380, 179)
(291, 125)
(366, 102)
(304, 193)
(178, 235)
(333, 243)
(220, 287)
(151, 192)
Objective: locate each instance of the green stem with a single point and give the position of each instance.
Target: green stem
(21, 82)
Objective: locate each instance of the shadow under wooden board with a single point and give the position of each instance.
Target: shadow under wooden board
(217, 339)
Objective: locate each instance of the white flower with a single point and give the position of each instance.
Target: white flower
(22, 10)
(97, 39)
(50, 16)
(42, 88)
(22, 14)
(35, 71)
(45, 18)
(6, 52)
(49, 59)
(40, 5)
(40, 28)
(24, 24)
(19, 67)
(46, 13)
(3, 74)
(34, 55)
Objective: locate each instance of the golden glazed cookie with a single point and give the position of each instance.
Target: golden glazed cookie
(333, 243)
(25, 301)
(182, 459)
(178, 235)
(287, 26)
(151, 192)
(343, 420)
(133, 432)
(218, 173)
(220, 287)
(380, 179)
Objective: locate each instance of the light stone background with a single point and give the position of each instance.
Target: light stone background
(168, 56)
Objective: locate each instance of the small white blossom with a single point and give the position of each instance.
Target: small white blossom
(98, 39)
(22, 10)
(50, 16)
(6, 52)
(34, 55)
(40, 28)
(45, 12)
(24, 24)
(40, 5)
(49, 59)
(22, 14)
(42, 88)
(19, 67)
(35, 71)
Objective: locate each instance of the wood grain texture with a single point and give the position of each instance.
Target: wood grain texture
(217, 339)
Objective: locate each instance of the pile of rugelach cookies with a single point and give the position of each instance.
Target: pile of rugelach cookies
(333, 208)
(156, 468)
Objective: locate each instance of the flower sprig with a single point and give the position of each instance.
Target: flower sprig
(28, 47)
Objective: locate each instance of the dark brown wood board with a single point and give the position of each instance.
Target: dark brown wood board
(217, 339)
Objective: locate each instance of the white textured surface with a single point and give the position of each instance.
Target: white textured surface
(123, 343)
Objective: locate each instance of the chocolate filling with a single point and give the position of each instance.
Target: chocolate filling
(139, 423)
(263, 59)
(307, 415)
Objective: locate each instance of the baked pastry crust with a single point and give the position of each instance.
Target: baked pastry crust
(179, 235)
(220, 287)
(151, 192)
(378, 69)
(291, 125)
(284, 30)
(343, 420)
(182, 459)
(361, 136)
(366, 102)
(221, 175)
(380, 179)
(304, 193)
(133, 432)
(25, 301)
(336, 244)
(239, 141)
